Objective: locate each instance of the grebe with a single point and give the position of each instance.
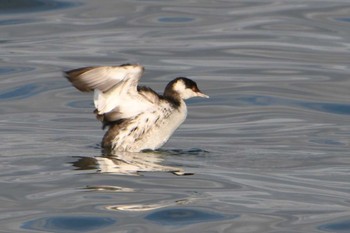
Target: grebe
(136, 116)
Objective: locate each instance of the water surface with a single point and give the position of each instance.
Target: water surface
(268, 152)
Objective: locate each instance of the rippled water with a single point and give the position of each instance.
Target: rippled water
(268, 152)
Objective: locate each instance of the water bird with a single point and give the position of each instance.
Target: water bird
(137, 117)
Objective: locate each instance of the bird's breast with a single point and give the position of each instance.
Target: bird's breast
(149, 130)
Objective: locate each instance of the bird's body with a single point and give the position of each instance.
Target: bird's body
(137, 117)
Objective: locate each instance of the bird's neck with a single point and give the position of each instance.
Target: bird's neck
(173, 97)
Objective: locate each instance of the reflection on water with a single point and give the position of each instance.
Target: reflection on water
(150, 207)
(127, 163)
(107, 188)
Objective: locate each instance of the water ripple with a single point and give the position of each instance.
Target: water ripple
(175, 19)
(14, 70)
(22, 92)
(23, 6)
(270, 147)
(14, 22)
(69, 223)
(335, 108)
(181, 217)
(342, 226)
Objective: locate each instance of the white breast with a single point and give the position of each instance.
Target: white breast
(158, 127)
(161, 133)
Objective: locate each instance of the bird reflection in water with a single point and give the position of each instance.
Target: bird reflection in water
(128, 163)
(132, 163)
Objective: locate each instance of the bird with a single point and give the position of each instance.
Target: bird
(137, 117)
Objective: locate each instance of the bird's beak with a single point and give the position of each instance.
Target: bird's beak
(200, 94)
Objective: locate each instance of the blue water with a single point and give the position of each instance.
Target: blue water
(69, 223)
(268, 152)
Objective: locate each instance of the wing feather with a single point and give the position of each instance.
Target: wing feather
(104, 77)
(115, 90)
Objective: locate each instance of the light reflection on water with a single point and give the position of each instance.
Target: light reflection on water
(125, 163)
(268, 152)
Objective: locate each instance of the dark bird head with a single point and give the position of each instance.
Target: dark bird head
(183, 88)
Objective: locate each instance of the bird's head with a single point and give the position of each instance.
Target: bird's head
(183, 88)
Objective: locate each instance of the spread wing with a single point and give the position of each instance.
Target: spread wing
(115, 89)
